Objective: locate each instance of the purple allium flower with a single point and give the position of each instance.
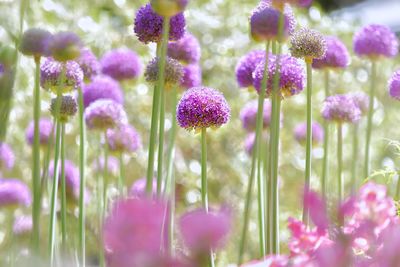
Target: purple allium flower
(105, 114)
(394, 85)
(14, 192)
(65, 46)
(187, 49)
(50, 76)
(362, 101)
(123, 139)
(341, 108)
(336, 55)
(112, 162)
(35, 42)
(292, 76)
(22, 225)
(173, 73)
(102, 87)
(45, 130)
(248, 115)
(202, 107)
(68, 108)
(249, 143)
(89, 64)
(134, 233)
(168, 8)
(138, 188)
(148, 25)
(72, 179)
(374, 41)
(121, 64)
(300, 132)
(307, 43)
(202, 230)
(7, 157)
(265, 19)
(246, 66)
(191, 76)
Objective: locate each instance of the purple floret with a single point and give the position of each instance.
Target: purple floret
(291, 77)
(246, 66)
(123, 139)
(148, 25)
(336, 55)
(394, 85)
(45, 129)
(202, 107)
(7, 157)
(300, 132)
(88, 63)
(14, 192)
(248, 115)
(374, 41)
(105, 114)
(121, 64)
(186, 49)
(102, 87)
(341, 108)
(191, 76)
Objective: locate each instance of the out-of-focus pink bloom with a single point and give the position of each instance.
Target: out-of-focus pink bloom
(270, 261)
(317, 208)
(388, 255)
(138, 188)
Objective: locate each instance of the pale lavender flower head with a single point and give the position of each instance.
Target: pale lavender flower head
(246, 66)
(249, 143)
(264, 22)
(72, 179)
(14, 192)
(248, 115)
(112, 163)
(341, 108)
(173, 72)
(375, 41)
(394, 85)
(291, 80)
(7, 157)
(22, 225)
(336, 56)
(123, 139)
(362, 101)
(300, 132)
(102, 87)
(168, 8)
(45, 129)
(187, 49)
(65, 46)
(121, 64)
(50, 76)
(105, 114)
(134, 232)
(308, 44)
(202, 230)
(138, 188)
(68, 108)
(202, 107)
(89, 64)
(148, 25)
(35, 42)
(191, 76)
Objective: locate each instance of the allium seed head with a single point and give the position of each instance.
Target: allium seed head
(102, 87)
(35, 42)
(173, 72)
(336, 56)
(186, 50)
(105, 114)
(341, 108)
(121, 64)
(123, 139)
(168, 8)
(191, 76)
(67, 108)
(246, 66)
(394, 85)
(65, 46)
(89, 64)
(308, 44)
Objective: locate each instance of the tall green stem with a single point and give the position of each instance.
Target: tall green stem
(63, 190)
(370, 115)
(261, 205)
(340, 161)
(121, 180)
(204, 197)
(105, 175)
(325, 161)
(160, 159)
(156, 106)
(354, 162)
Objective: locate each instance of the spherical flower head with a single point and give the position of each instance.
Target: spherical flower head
(341, 108)
(72, 178)
(173, 73)
(124, 139)
(67, 108)
(308, 44)
(248, 115)
(375, 41)
(7, 157)
(138, 188)
(191, 76)
(59, 77)
(186, 50)
(45, 131)
(202, 230)
(105, 114)
(361, 99)
(13, 193)
(65, 46)
(168, 8)
(394, 85)
(88, 63)
(35, 42)
(22, 225)
(148, 25)
(102, 87)
(336, 56)
(300, 132)
(121, 64)
(134, 232)
(112, 163)
(264, 23)
(246, 66)
(202, 107)
(291, 81)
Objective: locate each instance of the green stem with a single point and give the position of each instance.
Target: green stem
(204, 198)
(156, 106)
(121, 180)
(325, 161)
(261, 205)
(370, 115)
(266, 194)
(354, 162)
(105, 176)
(309, 138)
(63, 190)
(160, 159)
(340, 161)
(36, 159)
